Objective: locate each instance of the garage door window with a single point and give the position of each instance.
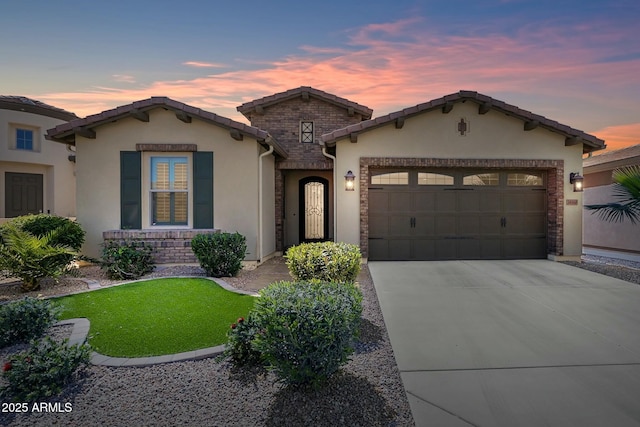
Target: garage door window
(426, 178)
(524, 179)
(482, 179)
(392, 178)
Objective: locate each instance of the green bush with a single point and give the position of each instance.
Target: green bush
(326, 261)
(32, 257)
(25, 319)
(42, 370)
(307, 329)
(130, 260)
(41, 224)
(220, 254)
(240, 342)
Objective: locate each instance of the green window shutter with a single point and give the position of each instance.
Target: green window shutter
(202, 189)
(130, 190)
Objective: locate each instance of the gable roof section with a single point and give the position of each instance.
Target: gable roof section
(486, 103)
(28, 105)
(304, 91)
(66, 132)
(612, 159)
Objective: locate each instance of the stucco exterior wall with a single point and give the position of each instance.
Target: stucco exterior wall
(235, 174)
(50, 159)
(435, 135)
(600, 234)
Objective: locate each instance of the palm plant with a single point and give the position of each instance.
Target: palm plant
(32, 258)
(626, 190)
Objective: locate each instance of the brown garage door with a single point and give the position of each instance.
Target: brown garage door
(457, 214)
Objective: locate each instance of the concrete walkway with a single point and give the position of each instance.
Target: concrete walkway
(513, 343)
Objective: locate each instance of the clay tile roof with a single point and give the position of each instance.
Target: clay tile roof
(628, 153)
(28, 105)
(590, 142)
(66, 132)
(248, 107)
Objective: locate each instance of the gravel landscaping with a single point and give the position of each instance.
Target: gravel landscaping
(211, 392)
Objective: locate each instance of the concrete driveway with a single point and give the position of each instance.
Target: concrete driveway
(513, 343)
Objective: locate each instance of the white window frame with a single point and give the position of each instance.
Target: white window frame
(147, 205)
(13, 137)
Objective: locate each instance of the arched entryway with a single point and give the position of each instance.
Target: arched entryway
(314, 209)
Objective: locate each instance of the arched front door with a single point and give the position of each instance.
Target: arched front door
(314, 209)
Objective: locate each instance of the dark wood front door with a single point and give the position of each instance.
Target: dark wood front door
(23, 194)
(314, 209)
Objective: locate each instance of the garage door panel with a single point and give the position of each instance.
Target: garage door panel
(378, 226)
(468, 225)
(491, 224)
(425, 225)
(491, 248)
(531, 224)
(446, 249)
(378, 202)
(438, 222)
(425, 249)
(525, 248)
(445, 225)
(399, 249)
(424, 202)
(399, 225)
(525, 201)
(399, 202)
(445, 201)
(468, 248)
(468, 201)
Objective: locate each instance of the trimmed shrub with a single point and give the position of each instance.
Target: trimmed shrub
(220, 254)
(307, 329)
(325, 261)
(128, 261)
(43, 370)
(42, 224)
(240, 342)
(26, 319)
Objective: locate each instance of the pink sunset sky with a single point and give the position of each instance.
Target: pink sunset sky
(577, 63)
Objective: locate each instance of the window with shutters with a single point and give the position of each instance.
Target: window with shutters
(169, 191)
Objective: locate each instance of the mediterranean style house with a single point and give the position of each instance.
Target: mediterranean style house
(465, 176)
(611, 239)
(36, 175)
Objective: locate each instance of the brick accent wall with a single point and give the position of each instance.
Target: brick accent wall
(555, 188)
(282, 121)
(169, 246)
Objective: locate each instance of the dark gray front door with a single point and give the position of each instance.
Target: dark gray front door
(23, 194)
(457, 214)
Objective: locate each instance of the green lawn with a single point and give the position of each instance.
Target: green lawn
(157, 317)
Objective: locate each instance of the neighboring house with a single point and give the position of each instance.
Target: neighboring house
(612, 239)
(36, 175)
(461, 177)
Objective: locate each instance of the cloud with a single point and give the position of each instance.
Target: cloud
(558, 69)
(123, 78)
(199, 64)
(620, 136)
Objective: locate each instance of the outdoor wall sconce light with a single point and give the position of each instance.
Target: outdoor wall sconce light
(577, 180)
(349, 181)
